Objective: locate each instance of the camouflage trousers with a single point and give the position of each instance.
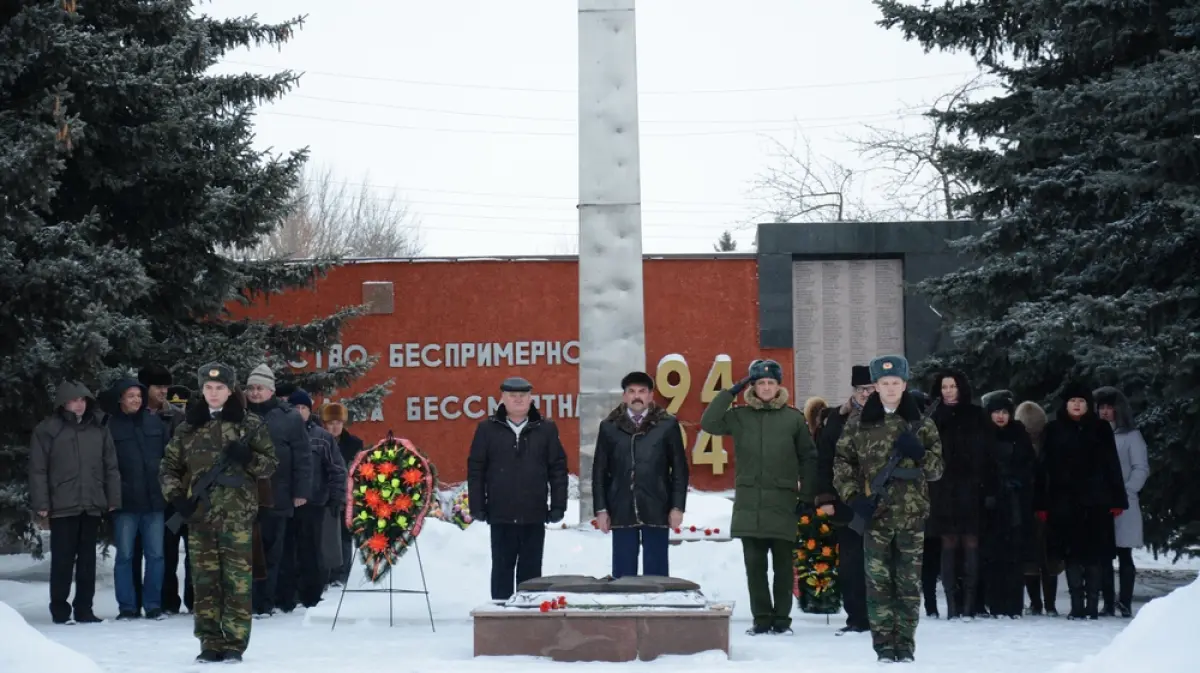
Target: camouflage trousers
(893, 559)
(222, 581)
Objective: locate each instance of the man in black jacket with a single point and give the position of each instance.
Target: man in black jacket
(852, 578)
(639, 479)
(291, 483)
(516, 459)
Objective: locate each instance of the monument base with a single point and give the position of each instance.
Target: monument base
(635, 618)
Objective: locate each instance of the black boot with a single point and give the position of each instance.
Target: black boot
(929, 588)
(1107, 589)
(1050, 593)
(970, 581)
(1075, 586)
(1092, 575)
(1033, 586)
(1125, 601)
(950, 581)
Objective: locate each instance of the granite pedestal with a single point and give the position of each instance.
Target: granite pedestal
(633, 618)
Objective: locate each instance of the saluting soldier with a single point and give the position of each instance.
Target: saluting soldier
(216, 427)
(890, 424)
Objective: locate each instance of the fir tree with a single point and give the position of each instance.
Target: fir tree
(125, 171)
(725, 243)
(1087, 165)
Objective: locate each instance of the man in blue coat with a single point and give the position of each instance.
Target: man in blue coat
(140, 437)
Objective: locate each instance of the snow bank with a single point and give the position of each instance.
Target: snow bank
(1158, 639)
(35, 653)
(672, 357)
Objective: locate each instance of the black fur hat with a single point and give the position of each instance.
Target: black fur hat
(154, 375)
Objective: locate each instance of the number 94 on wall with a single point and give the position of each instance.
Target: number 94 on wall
(673, 380)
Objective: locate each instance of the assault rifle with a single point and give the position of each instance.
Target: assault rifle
(892, 470)
(202, 490)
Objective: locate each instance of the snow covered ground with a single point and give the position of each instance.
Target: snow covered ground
(456, 566)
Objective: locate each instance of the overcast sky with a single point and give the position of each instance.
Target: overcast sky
(468, 108)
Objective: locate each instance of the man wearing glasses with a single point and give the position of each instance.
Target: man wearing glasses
(851, 565)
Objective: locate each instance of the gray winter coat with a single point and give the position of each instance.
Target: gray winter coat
(328, 466)
(72, 461)
(1135, 466)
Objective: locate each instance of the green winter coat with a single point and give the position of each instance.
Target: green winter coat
(864, 449)
(199, 443)
(775, 462)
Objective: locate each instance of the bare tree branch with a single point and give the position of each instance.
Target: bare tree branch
(330, 220)
(801, 188)
(918, 184)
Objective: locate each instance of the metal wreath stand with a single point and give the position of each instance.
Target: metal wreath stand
(390, 591)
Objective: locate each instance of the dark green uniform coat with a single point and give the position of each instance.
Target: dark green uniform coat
(774, 458)
(220, 537)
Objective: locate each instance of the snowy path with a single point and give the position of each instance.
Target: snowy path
(456, 567)
(286, 644)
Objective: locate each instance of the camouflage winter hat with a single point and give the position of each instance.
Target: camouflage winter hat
(216, 371)
(766, 369)
(889, 365)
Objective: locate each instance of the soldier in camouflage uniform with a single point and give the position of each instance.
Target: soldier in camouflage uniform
(217, 426)
(890, 423)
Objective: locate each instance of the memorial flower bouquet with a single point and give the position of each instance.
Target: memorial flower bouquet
(391, 490)
(816, 562)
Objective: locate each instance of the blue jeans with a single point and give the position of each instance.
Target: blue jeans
(127, 526)
(651, 542)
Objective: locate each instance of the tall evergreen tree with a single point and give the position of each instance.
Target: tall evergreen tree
(1088, 165)
(125, 170)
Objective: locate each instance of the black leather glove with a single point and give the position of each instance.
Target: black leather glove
(184, 507)
(239, 451)
(740, 386)
(909, 446)
(555, 516)
(863, 506)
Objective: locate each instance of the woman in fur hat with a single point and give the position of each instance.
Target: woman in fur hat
(1081, 493)
(1008, 506)
(335, 417)
(1112, 406)
(1043, 569)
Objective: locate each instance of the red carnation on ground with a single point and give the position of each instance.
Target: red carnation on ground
(692, 528)
(545, 606)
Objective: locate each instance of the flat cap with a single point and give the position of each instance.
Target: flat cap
(516, 384)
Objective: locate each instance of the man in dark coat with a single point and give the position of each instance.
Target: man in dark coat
(852, 577)
(73, 481)
(335, 417)
(291, 482)
(177, 397)
(302, 574)
(140, 437)
(516, 460)
(956, 500)
(639, 479)
(1081, 490)
(776, 463)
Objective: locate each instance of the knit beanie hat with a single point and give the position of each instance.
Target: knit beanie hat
(300, 398)
(262, 376)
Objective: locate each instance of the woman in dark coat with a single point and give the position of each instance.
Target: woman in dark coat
(1043, 569)
(1080, 491)
(1008, 506)
(957, 498)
